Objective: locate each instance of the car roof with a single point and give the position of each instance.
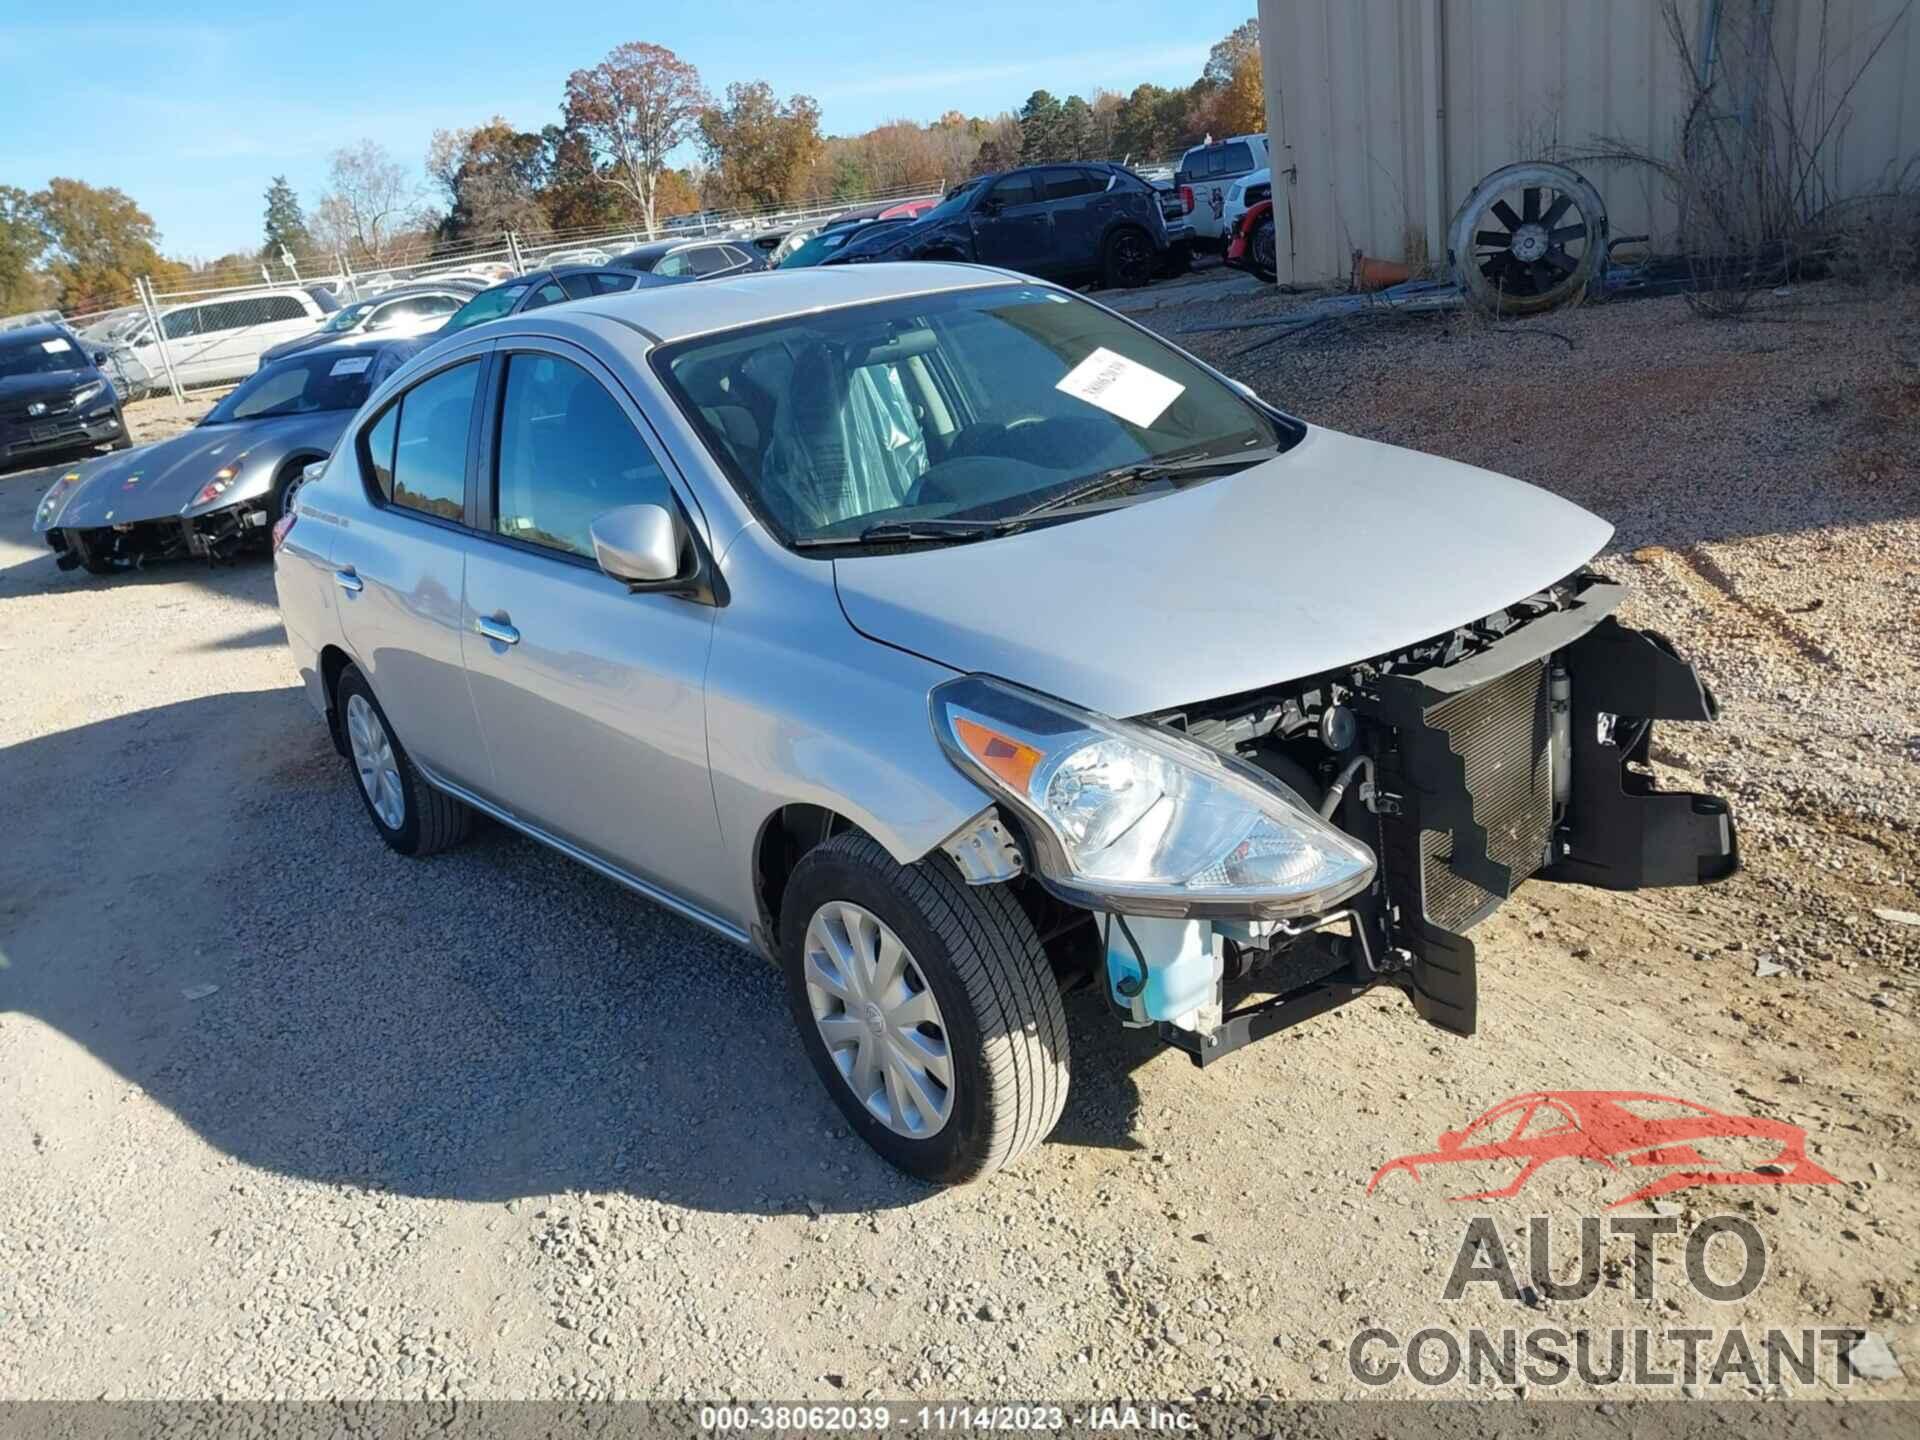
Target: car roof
(656, 247)
(667, 313)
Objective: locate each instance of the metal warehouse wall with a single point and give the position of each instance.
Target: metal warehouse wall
(1387, 131)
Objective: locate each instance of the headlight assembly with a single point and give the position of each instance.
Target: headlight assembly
(1129, 817)
(55, 500)
(88, 392)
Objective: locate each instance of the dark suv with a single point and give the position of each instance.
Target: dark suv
(1074, 222)
(53, 396)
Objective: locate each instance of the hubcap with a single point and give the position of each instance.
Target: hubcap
(373, 758)
(879, 1019)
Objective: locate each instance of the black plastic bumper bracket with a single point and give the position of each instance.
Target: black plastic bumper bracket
(1621, 832)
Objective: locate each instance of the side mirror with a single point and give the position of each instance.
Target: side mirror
(639, 544)
(99, 357)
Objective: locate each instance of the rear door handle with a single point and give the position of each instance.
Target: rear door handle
(497, 630)
(349, 581)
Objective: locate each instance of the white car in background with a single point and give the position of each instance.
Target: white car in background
(212, 340)
(1242, 195)
(589, 256)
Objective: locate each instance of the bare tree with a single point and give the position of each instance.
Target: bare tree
(634, 109)
(371, 203)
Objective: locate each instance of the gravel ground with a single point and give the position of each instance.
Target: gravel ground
(284, 1115)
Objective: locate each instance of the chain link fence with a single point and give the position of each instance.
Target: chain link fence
(213, 332)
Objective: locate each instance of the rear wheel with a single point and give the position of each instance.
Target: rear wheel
(1127, 262)
(927, 1007)
(411, 816)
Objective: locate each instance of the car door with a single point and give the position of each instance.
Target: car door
(591, 696)
(400, 567)
(1013, 226)
(1076, 199)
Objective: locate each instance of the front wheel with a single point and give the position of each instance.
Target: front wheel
(927, 1006)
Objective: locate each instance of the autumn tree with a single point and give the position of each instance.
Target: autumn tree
(285, 227)
(491, 177)
(371, 204)
(574, 196)
(23, 286)
(100, 242)
(1226, 56)
(762, 151)
(633, 110)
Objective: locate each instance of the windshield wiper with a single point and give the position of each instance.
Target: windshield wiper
(1145, 472)
(887, 531)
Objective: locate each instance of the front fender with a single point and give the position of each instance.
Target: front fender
(804, 710)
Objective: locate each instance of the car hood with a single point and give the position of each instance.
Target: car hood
(878, 237)
(19, 391)
(1336, 551)
(155, 482)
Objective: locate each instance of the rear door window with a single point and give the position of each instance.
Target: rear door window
(1234, 159)
(1065, 184)
(425, 437)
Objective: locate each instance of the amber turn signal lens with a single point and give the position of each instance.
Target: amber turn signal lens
(1012, 761)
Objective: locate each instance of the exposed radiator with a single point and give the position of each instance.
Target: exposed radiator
(1500, 731)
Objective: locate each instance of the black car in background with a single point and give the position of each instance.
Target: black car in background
(54, 397)
(706, 258)
(1077, 222)
(540, 288)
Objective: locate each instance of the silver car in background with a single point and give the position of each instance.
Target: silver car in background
(218, 488)
(953, 641)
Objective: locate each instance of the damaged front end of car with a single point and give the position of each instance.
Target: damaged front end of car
(1510, 749)
(114, 528)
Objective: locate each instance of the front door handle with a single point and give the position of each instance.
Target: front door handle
(348, 581)
(497, 630)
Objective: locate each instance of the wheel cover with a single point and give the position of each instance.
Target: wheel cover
(373, 758)
(878, 1018)
(1131, 260)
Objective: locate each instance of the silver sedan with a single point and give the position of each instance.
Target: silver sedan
(953, 641)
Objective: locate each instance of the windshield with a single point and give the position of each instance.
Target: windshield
(487, 305)
(813, 251)
(300, 385)
(972, 405)
(46, 355)
(956, 202)
(348, 318)
(642, 260)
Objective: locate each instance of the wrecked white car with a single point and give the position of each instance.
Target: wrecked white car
(954, 641)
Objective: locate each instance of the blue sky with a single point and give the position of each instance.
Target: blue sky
(192, 118)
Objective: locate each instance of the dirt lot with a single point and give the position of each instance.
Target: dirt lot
(282, 1114)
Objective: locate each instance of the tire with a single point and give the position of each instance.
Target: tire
(284, 484)
(91, 560)
(1261, 252)
(1001, 1026)
(125, 442)
(1127, 261)
(428, 820)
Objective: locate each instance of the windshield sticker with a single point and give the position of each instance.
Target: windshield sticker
(352, 365)
(1121, 387)
(55, 345)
